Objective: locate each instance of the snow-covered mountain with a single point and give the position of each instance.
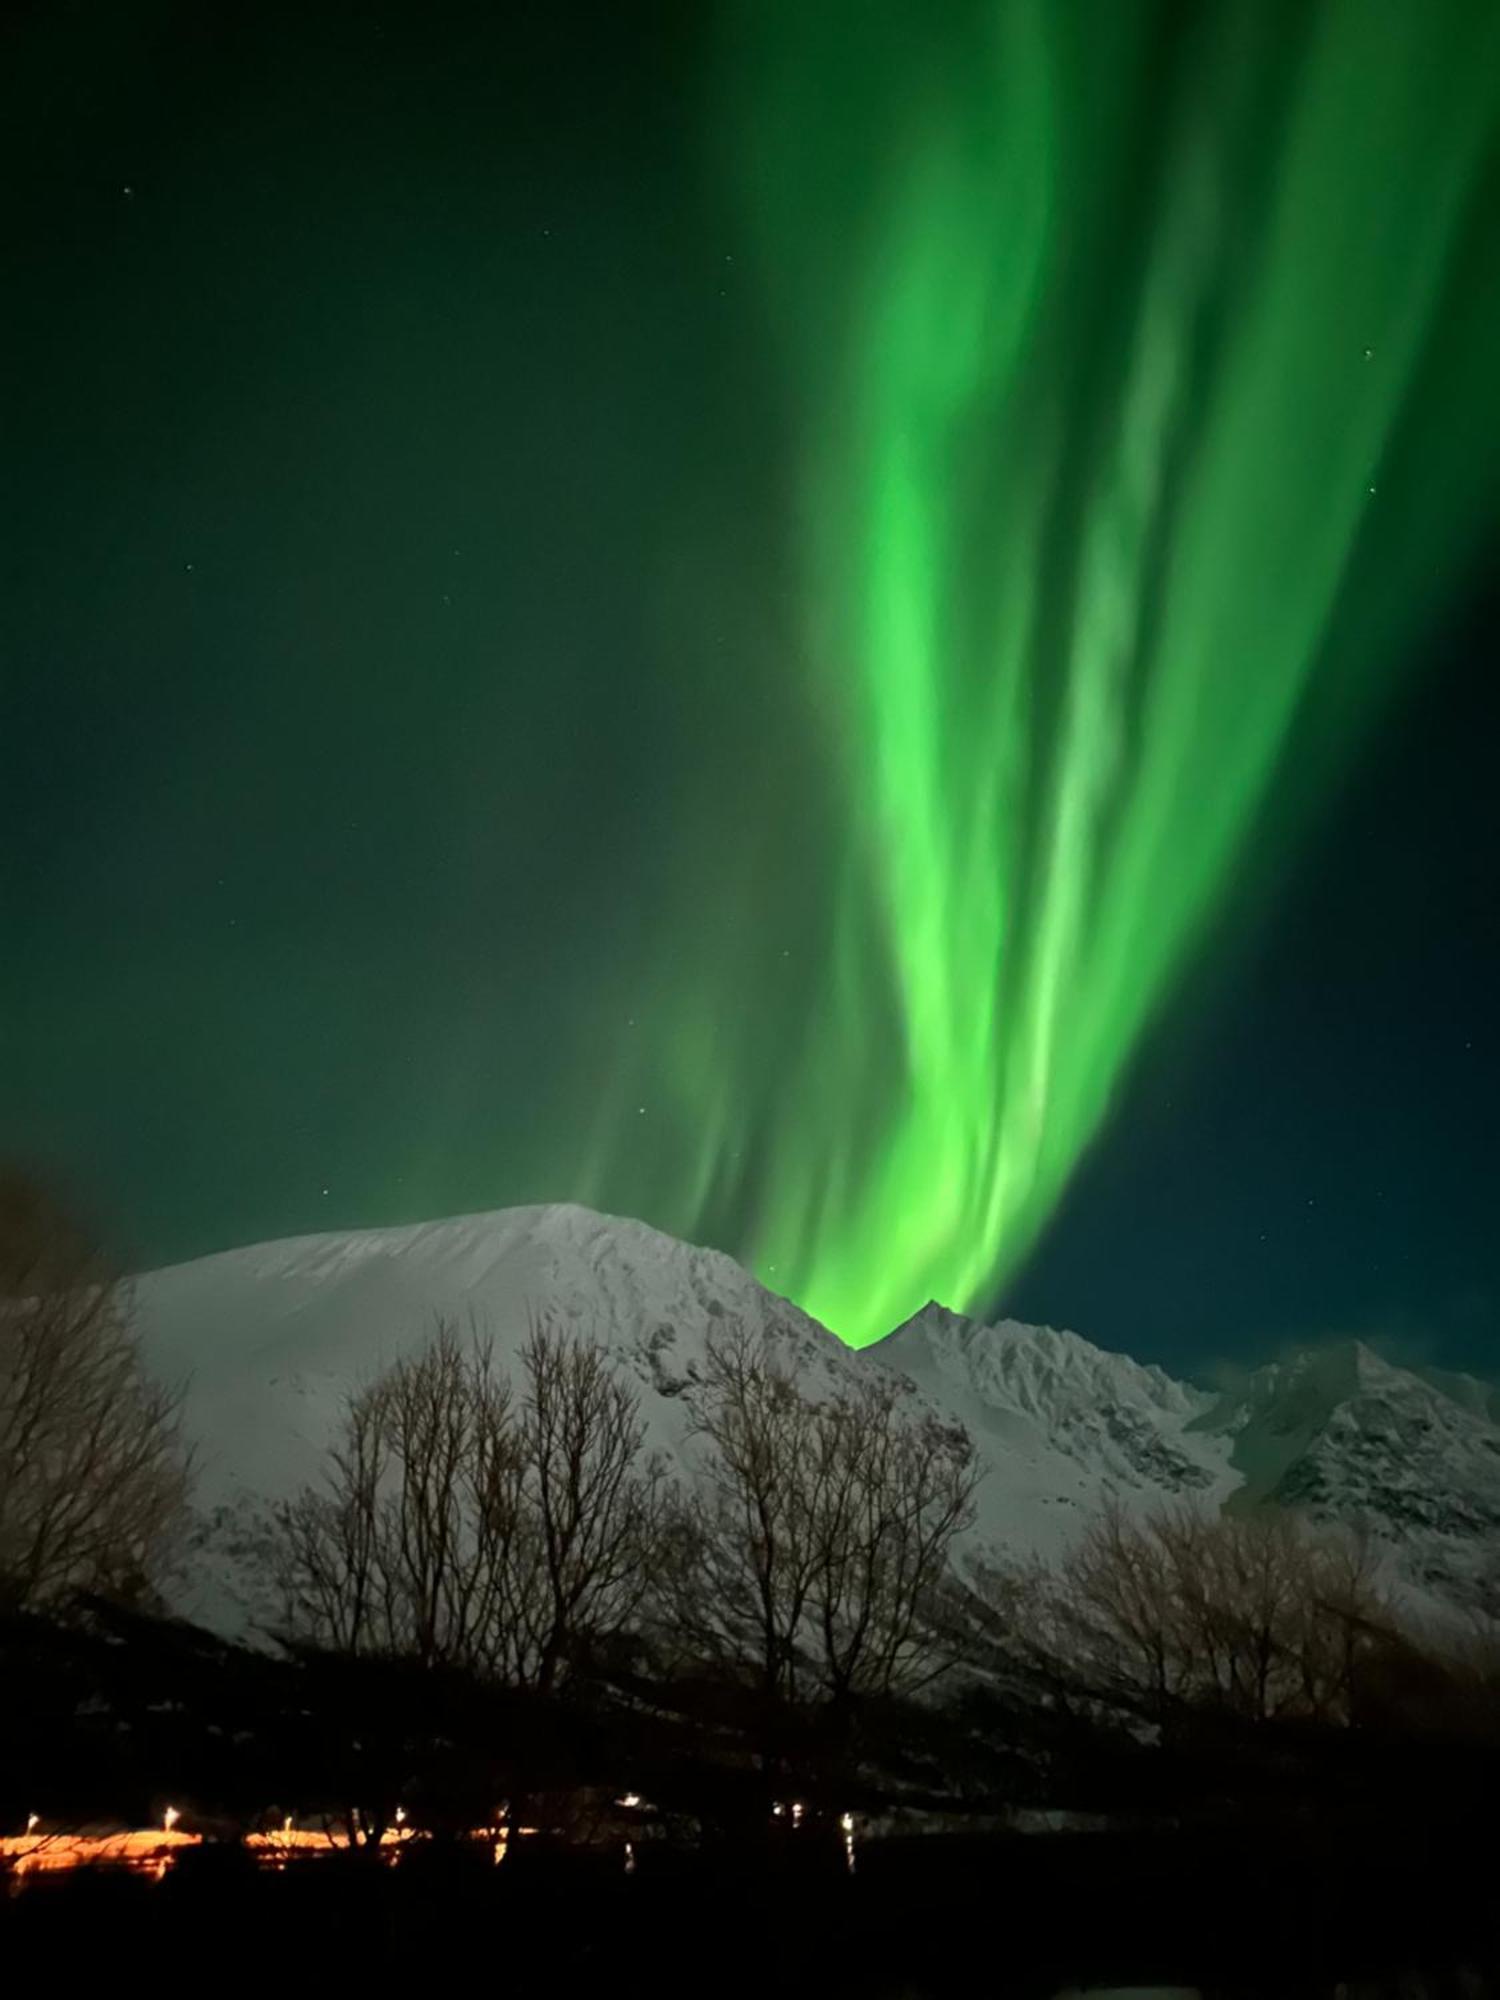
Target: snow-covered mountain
(1061, 1424)
(270, 1339)
(1409, 1457)
(1410, 1454)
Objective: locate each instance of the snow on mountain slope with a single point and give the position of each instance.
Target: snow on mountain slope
(1062, 1425)
(1411, 1456)
(270, 1340)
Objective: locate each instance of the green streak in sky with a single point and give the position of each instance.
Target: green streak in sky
(1141, 410)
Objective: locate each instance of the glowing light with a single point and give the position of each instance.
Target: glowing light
(151, 1850)
(146, 1850)
(1093, 365)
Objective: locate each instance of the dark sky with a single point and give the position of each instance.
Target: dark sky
(400, 523)
(1307, 1147)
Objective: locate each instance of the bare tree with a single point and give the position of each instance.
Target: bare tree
(398, 1550)
(747, 1554)
(893, 1493)
(453, 1527)
(326, 1544)
(825, 1528)
(93, 1470)
(598, 1508)
(1255, 1614)
(1113, 1617)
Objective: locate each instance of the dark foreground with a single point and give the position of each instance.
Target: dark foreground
(1016, 1916)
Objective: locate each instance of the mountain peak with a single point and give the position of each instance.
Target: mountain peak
(1037, 1365)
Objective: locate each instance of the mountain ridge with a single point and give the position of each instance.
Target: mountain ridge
(271, 1339)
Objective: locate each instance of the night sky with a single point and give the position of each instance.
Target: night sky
(870, 640)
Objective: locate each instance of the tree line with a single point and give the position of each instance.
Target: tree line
(522, 1532)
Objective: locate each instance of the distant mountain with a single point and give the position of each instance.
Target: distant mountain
(270, 1339)
(1411, 1455)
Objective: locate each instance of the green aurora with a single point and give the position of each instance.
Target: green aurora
(1129, 458)
(743, 614)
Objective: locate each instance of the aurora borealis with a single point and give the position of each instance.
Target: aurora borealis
(717, 628)
(1068, 580)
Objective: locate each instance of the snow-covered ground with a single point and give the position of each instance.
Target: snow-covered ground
(270, 1339)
